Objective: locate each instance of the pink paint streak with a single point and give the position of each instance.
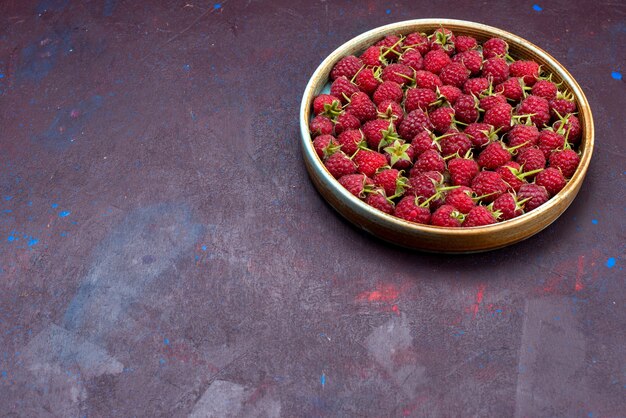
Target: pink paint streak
(384, 293)
(479, 298)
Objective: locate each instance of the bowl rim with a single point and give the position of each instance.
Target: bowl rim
(313, 88)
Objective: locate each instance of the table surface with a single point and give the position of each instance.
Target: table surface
(163, 252)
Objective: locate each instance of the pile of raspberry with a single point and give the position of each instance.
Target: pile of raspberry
(438, 129)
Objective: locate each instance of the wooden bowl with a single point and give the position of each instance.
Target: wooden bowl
(427, 237)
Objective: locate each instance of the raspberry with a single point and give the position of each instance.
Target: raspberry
(465, 43)
(412, 58)
(442, 118)
(409, 209)
(399, 154)
(325, 103)
(339, 165)
(362, 107)
(531, 159)
(496, 69)
(398, 73)
(346, 67)
(552, 179)
(480, 134)
(475, 86)
(355, 184)
(417, 41)
(508, 206)
(391, 181)
(423, 142)
(499, 117)
(461, 198)
(324, 145)
(377, 199)
(447, 215)
(546, 89)
(456, 143)
(537, 107)
(350, 141)
(489, 185)
(429, 161)
(449, 93)
(368, 161)
(495, 47)
(388, 90)
(390, 110)
(320, 125)
(523, 136)
(367, 80)
(343, 89)
(491, 100)
(424, 185)
(479, 216)
(377, 131)
(427, 80)
(346, 121)
(371, 56)
(550, 141)
(462, 171)
(454, 74)
(536, 195)
(472, 60)
(466, 109)
(414, 123)
(418, 98)
(512, 89)
(527, 70)
(566, 160)
(493, 156)
(571, 126)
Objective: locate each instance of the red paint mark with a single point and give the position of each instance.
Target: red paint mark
(479, 298)
(395, 309)
(579, 274)
(384, 293)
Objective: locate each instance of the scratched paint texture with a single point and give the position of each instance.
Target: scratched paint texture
(163, 252)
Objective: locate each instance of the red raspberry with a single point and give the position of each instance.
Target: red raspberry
(523, 136)
(390, 110)
(550, 141)
(320, 125)
(325, 145)
(537, 107)
(571, 127)
(346, 67)
(419, 99)
(368, 161)
(566, 160)
(424, 185)
(413, 59)
(448, 216)
(512, 89)
(441, 118)
(562, 105)
(461, 198)
(537, 195)
(399, 154)
(493, 156)
(480, 134)
(377, 199)
(462, 171)
(495, 47)
(414, 123)
(511, 173)
(343, 89)
(499, 117)
(356, 184)
(479, 216)
(391, 47)
(371, 56)
(528, 70)
(435, 60)
(552, 179)
(443, 39)
(346, 121)
(367, 81)
(457, 143)
(417, 41)
(466, 109)
(377, 131)
(398, 73)
(454, 74)
(465, 43)
(324, 103)
(410, 210)
(339, 165)
(508, 206)
(391, 180)
(449, 93)
(388, 90)
(473, 61)
(427, 80)
(489, 101)
(531, 159)
(423, 142)
(496, 69)
(429, 161)
(350, 141)
(362, 107)
(546, 89)
(489, 185)
(475, 86)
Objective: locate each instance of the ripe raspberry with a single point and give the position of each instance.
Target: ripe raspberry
(527, 70)
(362, 107)
(429, 161)
(413, 59)
(447, 215)
(537, 195)
(346, 121)
(346, 67)
(325, 145)
(449, 93)
(566, 160)
(320, 125)
(325, 103)
(392, 181)
(399, 154)
(479, 216)
(435, 60)
(377, 199)
(473, 61)
(390, 110)
(424, 185)
(339, 165)
(496, 69)
(391, 47)
(475, 86)
(356, 184)
(367, 80)
(462, 171)
(398, 73)
(549, 141)
(378, 133)
(494, 156)
(371, 56)
(454, 74)
(350, 141)
(368, 161)
(456, 143)
(427, 80)
(571, 126)
(512, 89)
(466, 109)
(489, 101)
(511, 173)
(544, 88)
(343, 89)
(465, 43)
(461, 198)
(531, 159)
(537, 107)
(495, 47)
(417, 41)
(442, 118)
(388, 90)
(489, 185)
(443, 39)
(480, 134)
(523, 136)
(414, 123)
(418, 98)
(562, 105)
(423, 142)
(508, 205)
(409, 209)
(552, 179)
(499, 117)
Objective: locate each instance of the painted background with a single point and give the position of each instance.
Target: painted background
(163, 252)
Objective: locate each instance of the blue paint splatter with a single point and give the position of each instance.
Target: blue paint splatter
(323, 379)
(537, 8)
(388, 11)
(204, 248)
(7, 211)
(217, 6)
(39, 58)
(63, 234)
(166, 341)
(4, 373)
(594, 221)
(616, 75)
(29, 203)
(1, 75)
(7, 198)
(64, 213)
(162, 361)
(109, 6)
(186, 67)
(610, 263)
(557, 318)
(54, 205)
(32, 241)
(12, 238)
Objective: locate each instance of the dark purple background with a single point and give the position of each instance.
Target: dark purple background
(163, 252)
